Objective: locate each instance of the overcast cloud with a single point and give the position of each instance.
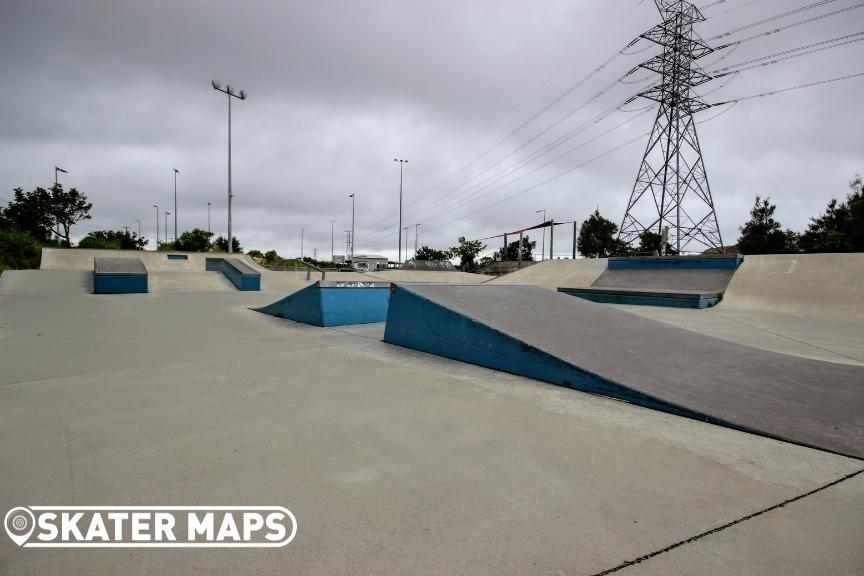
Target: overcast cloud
(118, 93)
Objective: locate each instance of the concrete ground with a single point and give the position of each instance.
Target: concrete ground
(393, 461)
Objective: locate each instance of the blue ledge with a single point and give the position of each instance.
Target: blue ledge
(242, 276)
(666, 298)
(119, 276)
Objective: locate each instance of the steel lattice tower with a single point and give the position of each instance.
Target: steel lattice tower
(672, 187)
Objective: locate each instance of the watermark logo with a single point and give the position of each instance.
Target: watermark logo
(150, 526)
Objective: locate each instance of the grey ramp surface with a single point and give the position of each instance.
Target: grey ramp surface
(119, 266)
(682, 280)
(809, 402)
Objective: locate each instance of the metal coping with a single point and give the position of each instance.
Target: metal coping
(664, 293)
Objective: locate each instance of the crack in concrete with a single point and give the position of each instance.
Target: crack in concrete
(692, 539)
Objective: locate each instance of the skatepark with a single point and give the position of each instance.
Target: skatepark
(471, 424)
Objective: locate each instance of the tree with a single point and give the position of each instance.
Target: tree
(467, 251)
(68, 207)
(762, 234)
(195, 240)
(427, 253)
(597, 238)
(221, 244)
(255, 254)
(112, 240)
(652, 242)
(271, 256)
(30, 212)
(512, 253)
(42, 212)
(841, 227)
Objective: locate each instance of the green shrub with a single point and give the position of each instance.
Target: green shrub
(18, 250)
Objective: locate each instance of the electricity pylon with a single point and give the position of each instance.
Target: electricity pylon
(671, 189)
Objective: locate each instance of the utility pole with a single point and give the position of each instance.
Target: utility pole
(399, 230)
(575, 236)
(139, 227)
(56, 170)
(352, 228)
(416, 234)
(242, 96)
(301, 243)
(157, 225)
(543, 246)
(208, 218)
(175, 202)
(166, 226)
(332, 233)
(672, 186)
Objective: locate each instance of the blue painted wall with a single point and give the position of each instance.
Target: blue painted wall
(119, 284)
(418, 323)
(602, 298)
(241, 281)
(331, 306)
(676, 263)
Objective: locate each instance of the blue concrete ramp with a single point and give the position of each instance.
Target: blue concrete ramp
(563, 340)
(334, 304)
(241, 275)
(675, 281)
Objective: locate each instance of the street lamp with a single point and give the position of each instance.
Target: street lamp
(208, 218)
(157, 225)
(332, 233)
(166, 226)
(56, 170)
(229, 90)
(406, 241)
(352, 228)
(543, 246)
(175, 202)
(139, 227)
(416, 234)
(399, 230)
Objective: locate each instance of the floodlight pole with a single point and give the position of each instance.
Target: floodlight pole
(166, 226)
(175, 202)
(139, 227)
(242, 96)
(399, 230)
(543, 245)
(157, 225)
(208, 218)
(332, 245)
(352, 228)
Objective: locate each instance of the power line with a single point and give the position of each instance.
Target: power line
(791, 88)
(789, 54)
(771, 19)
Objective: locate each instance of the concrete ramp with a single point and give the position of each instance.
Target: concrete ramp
(429, 276)
(44, 282)
(334, 304)
(830, 285)
(549, 336)
(553, 274)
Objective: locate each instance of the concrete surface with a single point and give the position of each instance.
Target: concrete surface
(394, 462)
(554, 274)
(652, 279)
(119, 266)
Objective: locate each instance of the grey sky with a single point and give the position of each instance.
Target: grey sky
(118, 93)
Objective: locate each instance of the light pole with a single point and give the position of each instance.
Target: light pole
(406, 241)
(175, 202)
(399, 230)
(139, 227)
(301, 243)
(242, 96)
(166, 226)
(543, 246)
(157, 225)
(352, 228)
(208, 219)
(56, 170)
(332, 232)
(416, 234)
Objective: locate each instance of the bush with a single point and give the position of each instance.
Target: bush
(18, 250)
